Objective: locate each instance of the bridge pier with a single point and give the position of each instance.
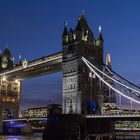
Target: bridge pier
(75, 127)
(99, 126)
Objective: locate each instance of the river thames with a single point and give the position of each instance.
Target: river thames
(34, 137)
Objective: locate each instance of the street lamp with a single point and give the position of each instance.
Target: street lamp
(92, 76)
(4, 78)
(16, 81)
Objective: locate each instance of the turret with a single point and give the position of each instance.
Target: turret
(7, 59)
(82, 24)
(100, 38)
(20, 60)
(99, 48)
(70, 35)
(65, 29)
(65, 34)
(82, 29)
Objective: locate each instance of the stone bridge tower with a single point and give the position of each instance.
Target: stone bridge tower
(81, 93)
(10, 88)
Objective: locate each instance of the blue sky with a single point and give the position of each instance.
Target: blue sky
(33, 28)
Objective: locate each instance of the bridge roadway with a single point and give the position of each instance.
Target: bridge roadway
(25, 119)
(129, 117)
(41, 66)
(123, 117)
(116, 135)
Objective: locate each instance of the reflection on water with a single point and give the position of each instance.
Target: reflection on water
(34, 137)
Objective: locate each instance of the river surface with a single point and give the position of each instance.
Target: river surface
(34, 137)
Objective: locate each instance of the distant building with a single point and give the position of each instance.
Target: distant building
(109, 100)
(42, 112)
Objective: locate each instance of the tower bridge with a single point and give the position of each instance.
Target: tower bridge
(89, 86)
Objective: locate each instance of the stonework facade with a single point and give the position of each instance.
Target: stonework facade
(10, 97)
(79, 90)
(10, 89)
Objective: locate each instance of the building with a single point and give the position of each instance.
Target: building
(109, 100)
(79, 90)
(42, 112)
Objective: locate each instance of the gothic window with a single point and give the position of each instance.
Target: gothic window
(9, 87)
(68, 70)
(15, 89)
(3, 87)
(70, 86)
(74, 85)
(74, 36)
(66, 39)
(71, 101)
(70, 37)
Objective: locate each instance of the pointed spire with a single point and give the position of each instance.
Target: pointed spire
(20, 59)
(100, 37)
(65, 32)
(82, 23)
(71, 30)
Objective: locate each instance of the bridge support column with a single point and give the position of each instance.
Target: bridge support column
(10, 97)
(100, 126)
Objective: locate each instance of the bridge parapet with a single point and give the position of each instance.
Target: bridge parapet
(113, 136)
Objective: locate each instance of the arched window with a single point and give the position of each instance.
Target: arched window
(9, 87)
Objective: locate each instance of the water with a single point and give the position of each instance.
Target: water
(34, 137)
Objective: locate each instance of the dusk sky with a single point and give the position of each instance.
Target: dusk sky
(33, 28)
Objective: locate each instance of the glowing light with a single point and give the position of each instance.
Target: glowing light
(19, 56)
(3, 78)
(82, 12)
(16, 81)
(66, 23)
(92, 75)
(100, 28)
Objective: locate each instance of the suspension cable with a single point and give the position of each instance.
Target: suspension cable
(106, 83)
(112, 71)
(112, 78)
(120, 81)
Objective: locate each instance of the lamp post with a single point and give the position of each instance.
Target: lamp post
(91, 75)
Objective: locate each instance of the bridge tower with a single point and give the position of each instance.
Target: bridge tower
(9, 88)
(81, 93)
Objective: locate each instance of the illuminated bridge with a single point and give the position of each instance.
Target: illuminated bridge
(89, 85)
